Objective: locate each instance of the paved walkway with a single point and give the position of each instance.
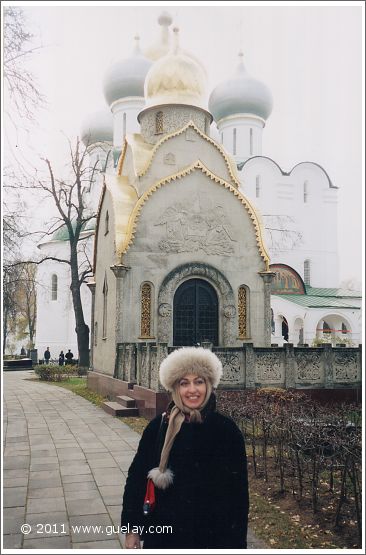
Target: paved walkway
(65, 466)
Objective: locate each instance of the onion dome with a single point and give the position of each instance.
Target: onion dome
(97, 128)
(175, 79)
(242, 94)
(126, 78)
(162, 46)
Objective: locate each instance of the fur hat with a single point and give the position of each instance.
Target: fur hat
(190, 360)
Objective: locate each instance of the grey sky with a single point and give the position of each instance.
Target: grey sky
(309, 56)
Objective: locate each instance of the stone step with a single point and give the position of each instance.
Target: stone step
(115, 409)
(126, 401)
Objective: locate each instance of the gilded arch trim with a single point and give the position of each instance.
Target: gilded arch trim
(198, 165)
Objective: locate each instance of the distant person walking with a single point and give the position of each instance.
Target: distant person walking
(47, 355)
(61, 359)
(69, 356)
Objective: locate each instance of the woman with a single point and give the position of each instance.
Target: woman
(195, 459)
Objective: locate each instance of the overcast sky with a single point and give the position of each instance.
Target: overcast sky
(311, 57)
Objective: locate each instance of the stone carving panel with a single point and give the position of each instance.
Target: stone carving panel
(192, 225)
(309, 367)
(232, 373)
(345, 368)
(268, 368)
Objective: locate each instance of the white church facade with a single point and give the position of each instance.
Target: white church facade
(199, 236)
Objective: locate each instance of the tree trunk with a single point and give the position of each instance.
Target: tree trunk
(81, 328)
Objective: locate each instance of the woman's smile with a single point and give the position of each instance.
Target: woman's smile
(192, 390)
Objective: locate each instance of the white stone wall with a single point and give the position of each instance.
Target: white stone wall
(55, 318)
(131, 108)
(309, 228)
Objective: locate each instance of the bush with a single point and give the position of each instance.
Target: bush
(48, 373)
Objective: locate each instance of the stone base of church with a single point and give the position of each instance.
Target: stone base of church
(149, 403)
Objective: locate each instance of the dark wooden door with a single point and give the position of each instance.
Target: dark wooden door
(195, 313)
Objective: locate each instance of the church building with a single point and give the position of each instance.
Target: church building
(199, 238)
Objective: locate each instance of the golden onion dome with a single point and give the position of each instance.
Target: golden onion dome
(176, 78)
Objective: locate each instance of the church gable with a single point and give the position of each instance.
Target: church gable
(194, 212)
(172, 154)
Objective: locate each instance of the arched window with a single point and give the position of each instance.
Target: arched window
(54, 287)
(159, 123)
(146, 296)
(124, 126)
(306, 192)
(234, 140)
(257, 186)
(344, 328)
(307, 272)
(251, 141)
(105, 299)
(106, 223)
(243, 312)
(326, 328)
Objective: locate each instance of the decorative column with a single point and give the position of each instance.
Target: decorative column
(267, 279)
(120, 271)
(91, 285)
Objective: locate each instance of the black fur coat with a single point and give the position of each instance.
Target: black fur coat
(207, 504)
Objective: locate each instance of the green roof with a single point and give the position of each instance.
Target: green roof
(324, 292)
(62, 234)
(314, 301)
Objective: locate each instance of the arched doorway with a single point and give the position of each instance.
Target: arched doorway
(195, 313)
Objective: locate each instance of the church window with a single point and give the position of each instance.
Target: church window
(307, 272)
(105, 299)
(159, 127)
(257, 186)
(326, 328)
(146, 297)
(243, 312)
(95, 334)
(251, 141)
(54, 287)
(306, 192)
(234, 140)
(106, 224)
(344, 328)
(124, 126)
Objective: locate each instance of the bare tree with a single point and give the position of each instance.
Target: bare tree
(69, 197)
(18, 47)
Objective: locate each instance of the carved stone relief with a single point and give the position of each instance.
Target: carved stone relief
(191, 226)
(169, 159)
(229, 311)
(345, 368)
(232, 372)
(146, 310)
(242, 308)
(268, 369)
(309, 367)
(165, 309)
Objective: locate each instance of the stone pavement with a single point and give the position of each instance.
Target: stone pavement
(65, 466)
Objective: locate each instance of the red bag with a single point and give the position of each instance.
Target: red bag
(149, 501)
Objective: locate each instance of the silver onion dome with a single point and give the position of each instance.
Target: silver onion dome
(126, 77)
(240, 94)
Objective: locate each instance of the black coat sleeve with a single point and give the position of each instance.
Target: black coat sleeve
(135, 487)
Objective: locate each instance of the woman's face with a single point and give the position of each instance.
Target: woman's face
(192, 391)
